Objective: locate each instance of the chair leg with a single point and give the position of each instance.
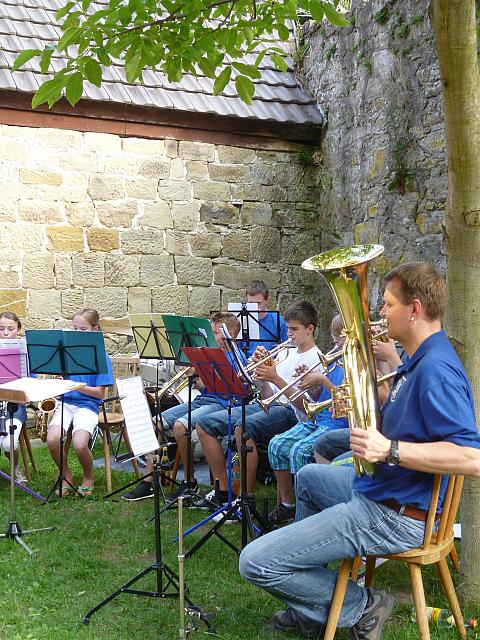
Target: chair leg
(106, 455)
(419, 601)
(454, 559)
(176, 465)
(29, 449)
(357, 563)
(447, 583)
(338, 597)
(370, 571)
(23, 449)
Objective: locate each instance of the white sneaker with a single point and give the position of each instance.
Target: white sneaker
(19, 477)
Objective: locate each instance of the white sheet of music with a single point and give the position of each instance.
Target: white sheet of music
(138, 419)
(36, 389)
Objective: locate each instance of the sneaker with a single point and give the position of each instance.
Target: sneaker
(185, 488)
(19, 477)
(142, 491)
(210, 501)
(281, 514)
(231, 519)
(370, 625)
(291, 620)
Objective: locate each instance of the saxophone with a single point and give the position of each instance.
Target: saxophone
(45, 410)
(345, 271)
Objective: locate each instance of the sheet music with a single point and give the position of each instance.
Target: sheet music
(138, 419)
(21, 345)
(36, 389)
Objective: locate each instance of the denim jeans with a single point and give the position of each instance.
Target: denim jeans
(333, 522)
(179, 413)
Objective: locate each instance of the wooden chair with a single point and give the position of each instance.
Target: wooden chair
(110, 415)
(27, 452)
(437, 545)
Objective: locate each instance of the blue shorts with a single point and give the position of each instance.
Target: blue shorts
(259, 426)
(200, 407)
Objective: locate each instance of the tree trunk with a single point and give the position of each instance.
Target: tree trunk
(455, 30)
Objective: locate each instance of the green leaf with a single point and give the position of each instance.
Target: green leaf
(74, 88)
(279, 62)
(45, 59)
(247, 70)
(93, 72)
(283, 32)
(86, 4)
(24, 57)
(222, 80)
(317, 10)
(63, 12)
(245, 88)
(207, 67)
(133, 67)
(334, 16)
(50, 90)
(70, 36)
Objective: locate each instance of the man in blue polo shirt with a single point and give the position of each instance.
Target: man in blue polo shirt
(428, 427)
(272, 327)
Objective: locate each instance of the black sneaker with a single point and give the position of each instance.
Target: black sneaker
(291, 620)
(210, 501)
(142, 491)
(185, 488)
(370, 625)
(281, 514)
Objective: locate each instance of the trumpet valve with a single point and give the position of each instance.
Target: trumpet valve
(341, 401)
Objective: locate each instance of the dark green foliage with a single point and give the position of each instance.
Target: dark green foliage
(382, 16)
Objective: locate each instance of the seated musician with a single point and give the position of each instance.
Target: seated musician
(10, 325)
(80, 410)
(175, 419)
(428, 427)
(288, 452)
(272, 327)
(260, 427)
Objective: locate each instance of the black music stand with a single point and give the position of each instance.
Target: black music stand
(218, 376)
(188, 331)
(245, 316)
(65, 353)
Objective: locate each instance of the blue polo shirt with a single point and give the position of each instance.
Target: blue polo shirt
(267, 330)
(325, 418)
(80, 399)
(430, 401)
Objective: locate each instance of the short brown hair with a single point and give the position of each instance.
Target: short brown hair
(90, 315)
(257, 286)
(302, 311)
(420, 281)
(230, 319)
(9, 315)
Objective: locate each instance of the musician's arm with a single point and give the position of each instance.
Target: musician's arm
(94, 392)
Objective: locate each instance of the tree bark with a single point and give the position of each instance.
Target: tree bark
(454, 25)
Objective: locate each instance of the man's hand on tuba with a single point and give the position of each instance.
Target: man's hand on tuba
(369, 444)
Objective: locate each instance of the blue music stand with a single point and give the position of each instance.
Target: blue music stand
(65, 353)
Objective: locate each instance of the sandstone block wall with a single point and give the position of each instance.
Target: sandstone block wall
(134, 225)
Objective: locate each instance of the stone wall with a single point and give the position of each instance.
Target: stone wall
(132, 225)
(382, 164)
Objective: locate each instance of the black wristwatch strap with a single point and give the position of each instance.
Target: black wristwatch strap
(394, 455)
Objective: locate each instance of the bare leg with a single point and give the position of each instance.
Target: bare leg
(213, 452)
(53, 442)
(81, 439)
(180, 432)
(285, 487)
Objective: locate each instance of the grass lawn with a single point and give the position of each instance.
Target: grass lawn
(97, 546)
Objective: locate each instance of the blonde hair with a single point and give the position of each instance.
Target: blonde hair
(9, 315)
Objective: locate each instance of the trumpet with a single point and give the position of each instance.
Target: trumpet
(171, 387)
(45, 409)
(337, 401)
(268, 359)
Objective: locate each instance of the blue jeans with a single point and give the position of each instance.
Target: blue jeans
(333, 522)
(179, 413)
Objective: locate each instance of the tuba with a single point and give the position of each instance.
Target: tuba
(345, 271)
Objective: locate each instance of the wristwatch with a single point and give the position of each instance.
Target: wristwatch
(393, 457)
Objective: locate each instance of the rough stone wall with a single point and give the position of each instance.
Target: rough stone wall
(382, 164)
(133, 225)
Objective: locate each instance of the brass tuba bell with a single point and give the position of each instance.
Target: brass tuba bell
(345, 271)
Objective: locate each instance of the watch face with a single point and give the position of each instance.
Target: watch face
(394, 457)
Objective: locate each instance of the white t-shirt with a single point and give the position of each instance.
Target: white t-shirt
(286, 370)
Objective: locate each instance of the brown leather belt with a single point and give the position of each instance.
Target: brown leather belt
(406, 510)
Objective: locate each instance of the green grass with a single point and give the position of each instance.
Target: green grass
(97, 546)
